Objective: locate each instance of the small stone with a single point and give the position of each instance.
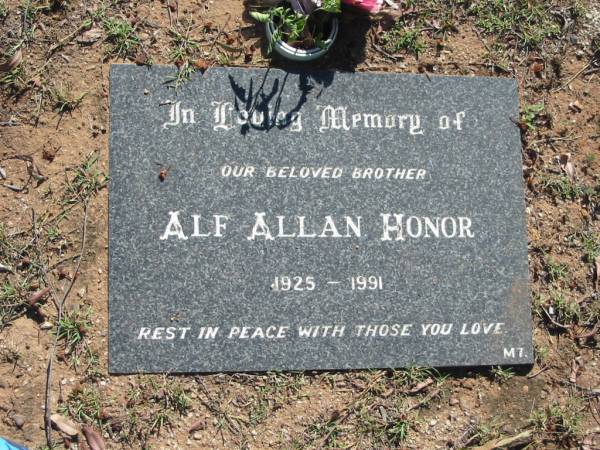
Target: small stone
(19, 421)
(433, 423)
(197, 436)
(525, 389)
(46, 326)
(81, 292)
(453, 401)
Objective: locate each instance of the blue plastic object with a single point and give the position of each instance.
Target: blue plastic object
(5, 444)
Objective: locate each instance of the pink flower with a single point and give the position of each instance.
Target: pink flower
(372, 6)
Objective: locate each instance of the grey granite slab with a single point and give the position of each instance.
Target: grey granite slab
(265, 247)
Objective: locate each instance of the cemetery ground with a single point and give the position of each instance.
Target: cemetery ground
(54, 64)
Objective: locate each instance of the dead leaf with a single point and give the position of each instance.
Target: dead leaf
(93, 438)
(575, 106)
(420, 386)
(141, 59)
(537, 68)
(201, 65)
(567, 166)
(198, 425)
(50, 153)
(248, 54)
(90, 36)
(574, 370)
(13, 62)
(64, 425)
(38, 296)
(63, 273)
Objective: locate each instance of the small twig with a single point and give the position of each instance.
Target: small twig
(68, 38)
(533, 375)
(570, 80)
(219, 34)
(169, 12)
(549, 140)
(520, 439)
(347, 410)
(425, 400)
(560, 325)
(61, 305)
(45, 222)
(63, 260)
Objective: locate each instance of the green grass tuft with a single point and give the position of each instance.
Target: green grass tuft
(122, 36)
(404, 37)
(525, 23)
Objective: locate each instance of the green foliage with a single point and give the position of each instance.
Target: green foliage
(28, 11)
(530, 113)
(262, 17)
(12, 300)
(562, 423)
(590, 158)
(591, 246)
(53, 233)
(3, 9)
(7, 292)
(502, 375)
(564, 310)
(402, 37)
(289, 25)
(259, 411)
(151, 404)
(541, 354)
(563, 187)
(9, 303)
(64, 100)
(182, 51)
(332, 6)
(84, 405)
(556, 271)
(14, 79)
(87, 181)
(397, 432)
(524, 22)
(292, 27)
(73, 327)
(122, 36)
(414, 375)
(486, 431)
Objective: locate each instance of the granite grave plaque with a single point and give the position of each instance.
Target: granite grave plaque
(315, 220)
